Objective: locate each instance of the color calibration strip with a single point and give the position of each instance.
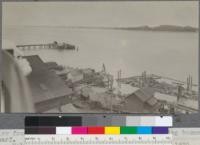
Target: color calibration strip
(107, 130)
(53, 121)
(83, 125)
(151, 121)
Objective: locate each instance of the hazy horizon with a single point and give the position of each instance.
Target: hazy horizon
(96, 26)
(101, 14)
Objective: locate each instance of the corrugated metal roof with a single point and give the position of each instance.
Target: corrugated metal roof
(45, 84)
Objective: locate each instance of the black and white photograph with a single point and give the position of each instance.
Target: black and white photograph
(100, 57)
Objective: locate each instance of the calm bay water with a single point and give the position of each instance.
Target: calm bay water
(171, 54)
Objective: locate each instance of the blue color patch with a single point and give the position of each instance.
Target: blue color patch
(144, 130)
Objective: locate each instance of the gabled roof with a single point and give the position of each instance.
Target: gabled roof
(44, 83)
(145, 94)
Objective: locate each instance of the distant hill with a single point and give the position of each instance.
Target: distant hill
(170, 28)
(167, 28)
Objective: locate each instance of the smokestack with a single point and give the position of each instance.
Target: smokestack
(180, 92)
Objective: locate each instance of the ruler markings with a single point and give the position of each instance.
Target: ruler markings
(17, 137)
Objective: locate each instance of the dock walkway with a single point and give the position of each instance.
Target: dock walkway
(55, 45)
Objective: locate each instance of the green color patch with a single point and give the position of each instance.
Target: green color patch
(128, 130)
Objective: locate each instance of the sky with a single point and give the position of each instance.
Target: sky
(101, 14)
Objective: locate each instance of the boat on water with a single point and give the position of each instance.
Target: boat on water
(62, 46)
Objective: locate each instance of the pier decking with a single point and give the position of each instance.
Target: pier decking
(35, 46)
(54, 45)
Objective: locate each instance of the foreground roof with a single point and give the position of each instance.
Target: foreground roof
(45, 84)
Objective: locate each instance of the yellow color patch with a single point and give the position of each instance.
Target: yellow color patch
(112, 130)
